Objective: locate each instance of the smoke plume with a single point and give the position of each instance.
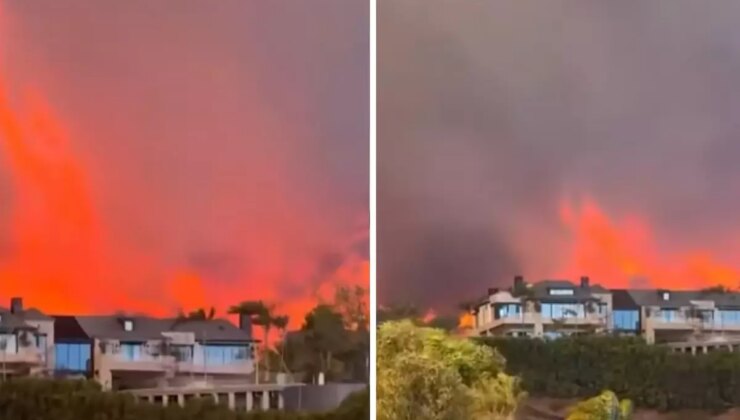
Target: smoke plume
(555, 139)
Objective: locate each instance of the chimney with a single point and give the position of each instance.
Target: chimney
(492, 291)
(585, 282)
(16, 305)
(245, 324)
(518, 282)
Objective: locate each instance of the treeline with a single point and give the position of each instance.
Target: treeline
(651, 376)
(41, 399)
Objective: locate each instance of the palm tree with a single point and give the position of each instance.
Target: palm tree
(260, 314)
(281, 323)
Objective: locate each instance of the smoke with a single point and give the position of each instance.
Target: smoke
(493, 114)
(157, 157)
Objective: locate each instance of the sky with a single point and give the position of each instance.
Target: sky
(555, 140)
(166, 156)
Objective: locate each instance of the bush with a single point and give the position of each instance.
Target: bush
(426, 374)
(649, 375)
(35, 399)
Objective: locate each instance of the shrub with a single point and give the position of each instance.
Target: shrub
(649, 375)
(34, 399)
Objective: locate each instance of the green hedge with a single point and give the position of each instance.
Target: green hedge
(38, 399)
(650, 376)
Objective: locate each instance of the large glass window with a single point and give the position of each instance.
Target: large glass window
(668, 315)
(729, 317)
(132, 351)
(182, 353)
(626, 320)
(73, 357)
(563, 310)
(508, 310)
(222, 354)
(8, 343)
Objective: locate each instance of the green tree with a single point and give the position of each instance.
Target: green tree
(605, 406)
(424, 373)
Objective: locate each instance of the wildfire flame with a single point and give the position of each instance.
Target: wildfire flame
(466, 321)
(617, 252)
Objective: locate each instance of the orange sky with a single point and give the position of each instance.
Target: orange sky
(220, 180)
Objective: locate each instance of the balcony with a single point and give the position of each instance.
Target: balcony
(25, 356)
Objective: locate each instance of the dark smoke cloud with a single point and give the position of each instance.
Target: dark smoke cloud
(490, 113)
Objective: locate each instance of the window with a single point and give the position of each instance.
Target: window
(221, 354)
(729, 317)
(182, 353)
(8, 343)
(668, 315)
(72, 357)
(41, 345)
(563, 310)
(508, 310)
(666, 296)
(561, 292)
(626, 320)
(131, 351)
(128, 325)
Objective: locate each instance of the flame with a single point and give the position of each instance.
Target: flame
(618, 252)
(59, 256)
(466, 321)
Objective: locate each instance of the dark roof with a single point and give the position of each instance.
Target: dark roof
(148, 328)
(211, 330)
(10, 321)
(541, 290)
(677, 298)
(621, 299)
(67, 328)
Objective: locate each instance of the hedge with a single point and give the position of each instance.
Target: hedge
(37, 399)
(651, 376)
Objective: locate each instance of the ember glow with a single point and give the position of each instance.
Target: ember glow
(152, 172)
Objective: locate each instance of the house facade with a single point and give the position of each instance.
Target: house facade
(700, 320)
(26, 341)
(124, 352)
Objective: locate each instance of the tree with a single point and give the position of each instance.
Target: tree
(351, 303)
(325, 335)
(257, 313)
(199, 314)
(281, 323)
(605, 406)
(424, 373)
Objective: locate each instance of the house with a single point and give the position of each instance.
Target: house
(26, 341)
(686, 320)
(131, 352)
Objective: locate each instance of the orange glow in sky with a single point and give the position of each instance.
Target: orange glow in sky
(619, 252)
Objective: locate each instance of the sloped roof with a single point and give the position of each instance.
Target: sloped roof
(542, 288)
(148, 328)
